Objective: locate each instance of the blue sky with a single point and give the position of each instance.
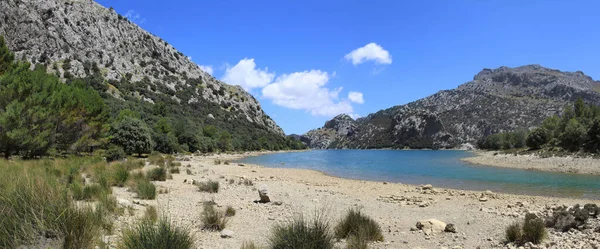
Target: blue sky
(297, 57)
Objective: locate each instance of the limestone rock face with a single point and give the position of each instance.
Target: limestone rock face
(73, 37)
(496, 100)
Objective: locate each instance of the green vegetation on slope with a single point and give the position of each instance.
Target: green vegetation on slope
(40, 115)
(577, 129)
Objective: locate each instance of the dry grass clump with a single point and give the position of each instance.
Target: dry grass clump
(302, 233)
(162, 235)
(151, 214)
(213, 219)
(209, 186)
(356, 224)
(532, 230)
(230, 211)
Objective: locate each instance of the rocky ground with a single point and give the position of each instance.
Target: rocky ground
(479, 218)
(567, 164)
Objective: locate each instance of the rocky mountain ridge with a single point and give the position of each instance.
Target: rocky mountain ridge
(501, 99)
(75, 37)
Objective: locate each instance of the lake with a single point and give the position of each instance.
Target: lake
(439, 168)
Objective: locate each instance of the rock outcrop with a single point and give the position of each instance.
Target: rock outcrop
(74, 38)
(501, 99)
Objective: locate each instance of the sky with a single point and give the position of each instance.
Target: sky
(307, 61)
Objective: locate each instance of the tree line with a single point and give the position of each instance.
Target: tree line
(40, 115)
(576, 129)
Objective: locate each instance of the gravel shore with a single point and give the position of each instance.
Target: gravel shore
(566, 164)
(480, 218)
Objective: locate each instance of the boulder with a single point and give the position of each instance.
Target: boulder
(431, 225)
(263, 194)
(450, 228)
(427, 186)
(227, 234)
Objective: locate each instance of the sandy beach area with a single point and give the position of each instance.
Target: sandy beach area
(480, 217)
(568, 164)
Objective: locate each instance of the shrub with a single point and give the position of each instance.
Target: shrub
(217, 161)
(359, 241)
(213, 219)
(300, 233)
(537, 138)
(210, 187)
(157, 174)
(563, 219)
(355, 223)
(226, 163)
(145, 189)
(114, 153)
(230, 211)
(151, 214)
(163, 235)
(120, 175)
(231, 181)
(174, 170)
(534, 230)
(514, 233)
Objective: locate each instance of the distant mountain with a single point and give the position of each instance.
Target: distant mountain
(501, 99)
(82, 39)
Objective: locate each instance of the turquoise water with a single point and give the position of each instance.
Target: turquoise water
(439, 168)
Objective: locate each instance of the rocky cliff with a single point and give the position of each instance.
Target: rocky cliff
(501, 99)
(75, 37)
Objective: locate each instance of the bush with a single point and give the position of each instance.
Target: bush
(514, 233)
(532, 230)
(120, 175)
(359, 241)
(210, 187)
(174, 170)
(230, 211)
(300, 233)
(157, 174)
(213, 219)
(163, 235)
(217, 161)
(355, 223)
(114, 153)
(249, 245)
(537, 138)
(563, 219)
(145, 189)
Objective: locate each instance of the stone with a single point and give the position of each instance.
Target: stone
(277, 203)
(450, 228)
(483, 199)
(263, 193)
(431, 225)
(124, 202)
(227, 234)
(427, 186)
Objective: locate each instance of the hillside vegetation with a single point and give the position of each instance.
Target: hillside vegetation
(40, 115)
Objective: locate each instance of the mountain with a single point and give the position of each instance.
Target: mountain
(501, 99)
(133, 69)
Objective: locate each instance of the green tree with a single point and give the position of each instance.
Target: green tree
(133, 135)
(593, 136)
(225, 141)
(6, 56)
(164, 137)
(573, 136)
(210, 131)
(537, 138)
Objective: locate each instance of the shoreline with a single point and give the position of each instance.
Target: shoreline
(568, 164)
(480, 217)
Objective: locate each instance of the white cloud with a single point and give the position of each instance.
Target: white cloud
(372, 52)
(207, 68)
(134, 16)
(247, 75)
(356, 97)
(306, 91)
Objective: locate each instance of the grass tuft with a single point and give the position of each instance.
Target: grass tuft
(213, 219)
(120, 175)
(249, 245)
(210, 187)
(357, 224)
(230, 211)
(151, 214)
(300, 233)
(162, 235)
(157, 174)
(145, 189)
